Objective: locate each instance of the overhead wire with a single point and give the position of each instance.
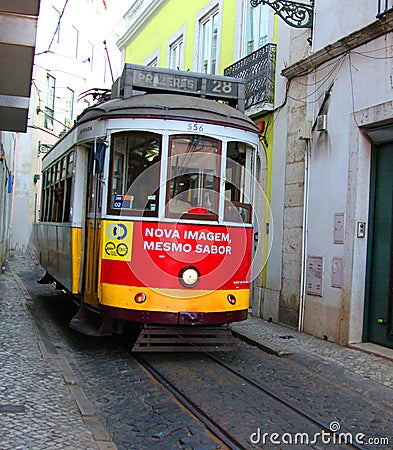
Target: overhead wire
(322, 82)
(321, 68)
(336, 66)
(56, 30)
(387, 47)
(371, 57)
(352, 89)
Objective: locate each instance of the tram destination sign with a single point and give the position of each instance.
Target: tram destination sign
(165, 81)
(194, 83)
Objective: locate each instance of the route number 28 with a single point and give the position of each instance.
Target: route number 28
(222, 87)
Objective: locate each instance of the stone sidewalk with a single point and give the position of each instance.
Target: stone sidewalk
(280, 340)
(41, 405)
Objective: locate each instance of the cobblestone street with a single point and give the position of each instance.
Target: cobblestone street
(63, 390)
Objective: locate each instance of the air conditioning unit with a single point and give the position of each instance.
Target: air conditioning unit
(322, 122)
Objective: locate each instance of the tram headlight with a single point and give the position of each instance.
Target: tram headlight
(189, 276)
(231, 299)
(140, 297)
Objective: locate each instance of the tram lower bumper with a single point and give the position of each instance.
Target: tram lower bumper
(174, 318)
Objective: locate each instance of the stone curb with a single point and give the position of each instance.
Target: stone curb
(267, 347)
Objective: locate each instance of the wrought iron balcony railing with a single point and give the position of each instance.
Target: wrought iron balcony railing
(258, 69)
(384, 6)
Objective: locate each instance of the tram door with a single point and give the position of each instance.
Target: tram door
(380, 277)
(93, 224)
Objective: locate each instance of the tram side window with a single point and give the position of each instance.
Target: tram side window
(237, 184)
(193, 177)
(94, 182)
(56, 193)
(135, 173)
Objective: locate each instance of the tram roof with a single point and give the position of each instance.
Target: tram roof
(170, 106)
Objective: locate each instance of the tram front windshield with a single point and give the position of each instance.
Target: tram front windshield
(193, 181)
(191, 189)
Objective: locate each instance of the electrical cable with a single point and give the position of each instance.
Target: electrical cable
(372, 57)
(334, 63)
(322, 82)
(352, 90)
(56, 31)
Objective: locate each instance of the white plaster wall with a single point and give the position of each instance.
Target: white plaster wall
(23, 194)
(327, 196)
(8, 143)
(339, 182)
(346, 15)
(356, 248)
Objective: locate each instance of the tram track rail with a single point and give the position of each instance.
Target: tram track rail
(219, 432)
(223, 435)
(281, 399)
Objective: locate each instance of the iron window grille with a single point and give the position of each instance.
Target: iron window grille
(258, 69)
(384, 6)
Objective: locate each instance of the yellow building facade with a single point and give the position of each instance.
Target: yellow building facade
(178, 34)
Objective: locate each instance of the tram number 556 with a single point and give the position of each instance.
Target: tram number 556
(193, 126)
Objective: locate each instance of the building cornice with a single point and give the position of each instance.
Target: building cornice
(379, 28)
(136, 17)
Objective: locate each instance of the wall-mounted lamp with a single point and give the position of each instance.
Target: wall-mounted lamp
(295, 14)
(44, 148)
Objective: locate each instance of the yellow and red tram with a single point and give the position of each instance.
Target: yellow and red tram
(146, 202)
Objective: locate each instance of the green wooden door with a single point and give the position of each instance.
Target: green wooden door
(380, 280)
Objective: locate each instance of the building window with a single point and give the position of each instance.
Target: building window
(208, 43)
(176, 58)
(153, 60)
(69, 107)
(256, 28)
(153, 63)
(74, 42)
(101, 68)
(50, 101)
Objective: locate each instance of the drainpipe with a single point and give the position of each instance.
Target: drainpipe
(303, 281)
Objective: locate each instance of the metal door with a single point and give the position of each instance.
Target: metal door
(380, 262)
(93, 224)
